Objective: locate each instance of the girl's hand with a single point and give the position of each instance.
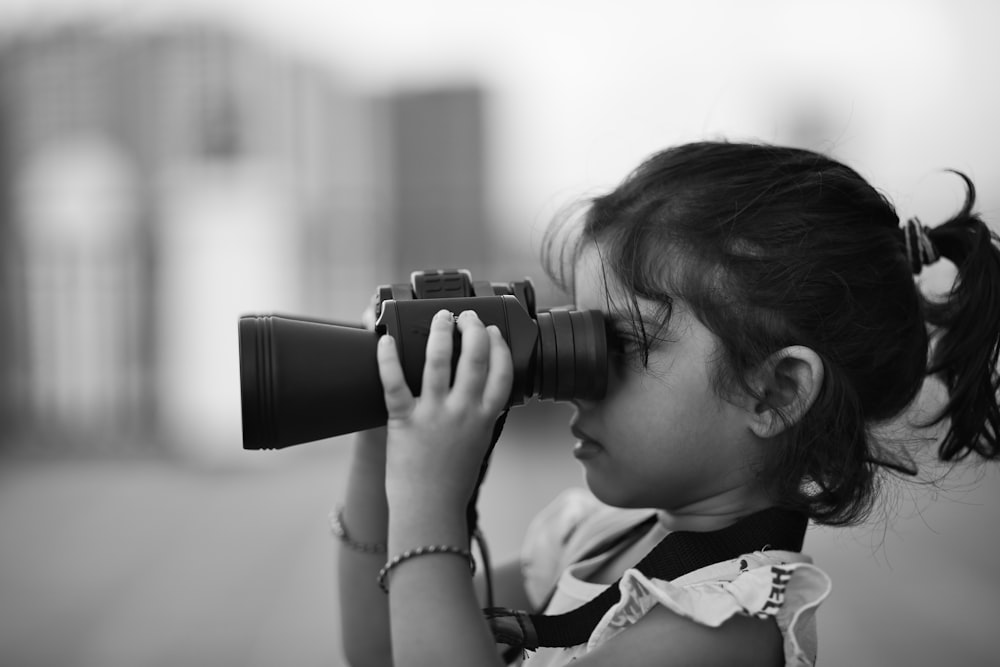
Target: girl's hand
(437, 441)
(371, 443)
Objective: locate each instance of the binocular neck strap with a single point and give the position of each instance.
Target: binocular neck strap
(677, 554)
(472, 511)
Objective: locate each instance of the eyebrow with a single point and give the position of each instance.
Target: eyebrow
(654, 326)
(650, 331)
(656, 318)
(617, 319)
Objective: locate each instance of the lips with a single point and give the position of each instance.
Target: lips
(586, 446)
(580, 434)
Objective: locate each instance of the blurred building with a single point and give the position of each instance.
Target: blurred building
(437, 162)
(74, 253)
(155, 186)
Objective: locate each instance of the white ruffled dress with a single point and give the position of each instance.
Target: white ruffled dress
(779, 584)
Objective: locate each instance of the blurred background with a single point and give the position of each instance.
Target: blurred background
(168, 165)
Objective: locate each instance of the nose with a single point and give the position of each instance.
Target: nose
(592, 404)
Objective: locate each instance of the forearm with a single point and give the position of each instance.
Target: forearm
(364, 610)
(437, 618)
(435, 450)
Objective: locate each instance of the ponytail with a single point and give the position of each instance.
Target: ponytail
(967, 334)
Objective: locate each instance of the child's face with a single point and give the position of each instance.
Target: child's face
(661, 437)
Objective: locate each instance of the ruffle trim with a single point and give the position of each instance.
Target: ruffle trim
(788, 592)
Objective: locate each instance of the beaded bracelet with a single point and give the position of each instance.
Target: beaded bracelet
(340, 532)
(423, 551)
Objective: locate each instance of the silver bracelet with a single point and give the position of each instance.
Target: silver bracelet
(340, 532)
(423, 551)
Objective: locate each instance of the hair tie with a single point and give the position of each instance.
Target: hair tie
(920, 249)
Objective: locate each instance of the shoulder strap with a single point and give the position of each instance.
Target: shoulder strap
(677, 554)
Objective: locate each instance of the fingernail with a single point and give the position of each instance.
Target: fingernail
(469, 314)
(444, 314)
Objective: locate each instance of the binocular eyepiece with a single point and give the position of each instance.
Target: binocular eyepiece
(304, 379)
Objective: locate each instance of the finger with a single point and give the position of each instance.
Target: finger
(437, 361)
(398, 399)
(496, 393)
(474, 361)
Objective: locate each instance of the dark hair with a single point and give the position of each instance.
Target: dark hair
(773, 246)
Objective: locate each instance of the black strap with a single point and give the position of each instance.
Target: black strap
(677, 554)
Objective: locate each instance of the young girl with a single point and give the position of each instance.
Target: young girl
(764, 321)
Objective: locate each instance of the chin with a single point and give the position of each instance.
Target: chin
(612, 494)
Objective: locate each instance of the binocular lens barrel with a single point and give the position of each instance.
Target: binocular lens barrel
(304, 380)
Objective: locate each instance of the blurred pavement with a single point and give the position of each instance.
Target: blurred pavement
(149, 563)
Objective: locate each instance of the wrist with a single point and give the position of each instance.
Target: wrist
(370, 444)
(429, 550)
(413, 525)
(367, 461)
(339, 530)
(414, 497)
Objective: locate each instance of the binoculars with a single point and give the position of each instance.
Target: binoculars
(304, 379)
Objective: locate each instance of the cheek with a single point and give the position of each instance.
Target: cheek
(638, 406)
(628, 376)
(652, 408)
(620, 393)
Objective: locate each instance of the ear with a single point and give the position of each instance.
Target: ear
(787, 384)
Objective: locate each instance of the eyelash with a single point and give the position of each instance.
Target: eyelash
(623, 343)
